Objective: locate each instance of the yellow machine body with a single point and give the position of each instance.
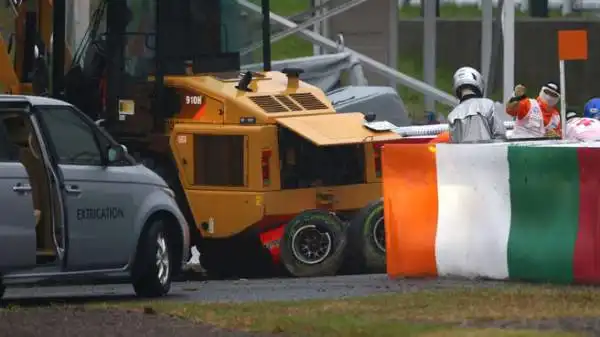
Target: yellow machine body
(228, 136)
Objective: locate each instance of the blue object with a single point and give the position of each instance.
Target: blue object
(432, 118)
(592, 108)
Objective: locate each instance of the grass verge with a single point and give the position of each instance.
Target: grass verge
(423, 313)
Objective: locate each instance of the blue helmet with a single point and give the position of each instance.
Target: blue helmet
(592, 108)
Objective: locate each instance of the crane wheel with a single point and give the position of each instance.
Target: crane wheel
(313, 244)
(366, 250)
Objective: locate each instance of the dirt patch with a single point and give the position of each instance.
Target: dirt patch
(586, 325)
(92, 322)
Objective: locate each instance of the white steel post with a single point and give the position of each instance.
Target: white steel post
(324, 27)
(81, 18)
(509, 48)
(317, 25)
(486, 39)
(393, 37)
(567, 7)
(429, 44)
(563, 96)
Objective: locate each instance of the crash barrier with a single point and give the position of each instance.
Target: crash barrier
(432, 130)
(500, 211)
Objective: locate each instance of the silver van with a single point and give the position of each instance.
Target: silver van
(75, 204)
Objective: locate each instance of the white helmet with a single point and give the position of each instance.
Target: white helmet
(550, 93)
(467, 77)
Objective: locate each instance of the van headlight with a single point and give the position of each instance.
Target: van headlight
(169, 192)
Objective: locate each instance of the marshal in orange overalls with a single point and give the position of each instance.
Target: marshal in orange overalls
(534, 118)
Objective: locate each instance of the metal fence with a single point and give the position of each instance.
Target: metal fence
(522, 5)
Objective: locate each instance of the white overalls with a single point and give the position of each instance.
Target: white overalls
(532, 125)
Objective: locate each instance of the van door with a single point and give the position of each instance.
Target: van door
(17, 224)
(100, 207)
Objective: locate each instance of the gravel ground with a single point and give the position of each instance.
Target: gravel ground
(588, 325)
(245, 290)
(78, 322)
(75, 321)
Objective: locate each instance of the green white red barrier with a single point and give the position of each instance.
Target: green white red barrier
(501, 211)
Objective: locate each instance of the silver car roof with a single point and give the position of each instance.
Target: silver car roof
(33, 100)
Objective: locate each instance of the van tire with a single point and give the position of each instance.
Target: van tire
(364, 250)
(319, 225)
(145, 272)
(2, 290)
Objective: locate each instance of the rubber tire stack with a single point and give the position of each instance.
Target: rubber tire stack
(363, 255)
(324, 221)
(144, 273)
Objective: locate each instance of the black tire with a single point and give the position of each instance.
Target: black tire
(326, 226)
(366, 248)
(145, 272)
(2, 290)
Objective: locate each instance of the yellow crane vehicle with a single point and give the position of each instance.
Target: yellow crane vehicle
(266, 171)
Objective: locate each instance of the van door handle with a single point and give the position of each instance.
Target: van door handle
(72, 189)
(22, 188)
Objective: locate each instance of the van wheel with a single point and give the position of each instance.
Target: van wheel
(366, 240)
(313, 244)
(153, 267)
(2, 290)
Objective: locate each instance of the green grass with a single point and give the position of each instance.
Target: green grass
(420, 314)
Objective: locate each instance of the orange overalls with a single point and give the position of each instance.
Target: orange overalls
(535, 119)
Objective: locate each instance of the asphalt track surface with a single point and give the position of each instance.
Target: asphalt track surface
(240, 290)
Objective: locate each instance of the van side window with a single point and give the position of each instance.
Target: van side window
(74, 140)
(9, 152)
(219, 160)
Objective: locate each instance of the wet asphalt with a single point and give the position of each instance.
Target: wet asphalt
(242, 290)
